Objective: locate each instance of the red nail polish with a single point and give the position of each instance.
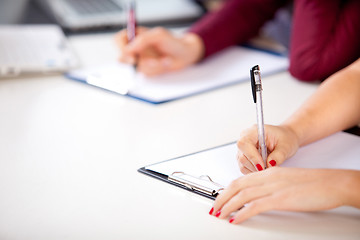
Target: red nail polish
(259, 167)
(211, 211)
(218, 214)
(272, 162)
(231, 220)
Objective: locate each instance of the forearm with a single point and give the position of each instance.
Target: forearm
(335, 106)
(236, 22)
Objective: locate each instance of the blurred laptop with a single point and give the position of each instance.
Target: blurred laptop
(34, 49)
(82, 14)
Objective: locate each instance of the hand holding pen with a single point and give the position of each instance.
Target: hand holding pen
(157, 50)
(256, 142)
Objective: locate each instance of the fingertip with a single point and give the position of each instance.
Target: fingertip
(259, 167)
(232, 220)
(211, 211)
(280, 154)
(215, 211)
(218, 214)
(272, 163)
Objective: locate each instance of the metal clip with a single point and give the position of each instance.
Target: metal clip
(202, 184)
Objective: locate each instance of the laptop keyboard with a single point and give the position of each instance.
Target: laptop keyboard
(89, 7)
(33, 49)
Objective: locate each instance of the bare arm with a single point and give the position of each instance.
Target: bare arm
(334, 107)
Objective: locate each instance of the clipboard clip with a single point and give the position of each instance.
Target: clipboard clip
(202, 184)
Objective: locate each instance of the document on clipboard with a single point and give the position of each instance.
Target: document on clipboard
(225, 68)
(208, 172)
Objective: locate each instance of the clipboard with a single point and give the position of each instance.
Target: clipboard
(189, 182)
(195, 177)
(220, 70)
(220, 166)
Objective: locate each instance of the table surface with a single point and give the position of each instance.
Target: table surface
(69, 155)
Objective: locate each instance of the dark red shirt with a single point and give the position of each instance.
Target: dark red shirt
(325, 34)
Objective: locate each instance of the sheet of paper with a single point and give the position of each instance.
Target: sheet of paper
(341, 150)
(227, 67)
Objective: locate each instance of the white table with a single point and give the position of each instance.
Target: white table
(69, 155)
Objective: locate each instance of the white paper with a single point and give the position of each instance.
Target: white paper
(228, 67)
(341, 150)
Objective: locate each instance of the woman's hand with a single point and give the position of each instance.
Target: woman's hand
(281, 143)
(157, 51)
(289, 189)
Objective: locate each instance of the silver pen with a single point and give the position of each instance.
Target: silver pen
(257, 95)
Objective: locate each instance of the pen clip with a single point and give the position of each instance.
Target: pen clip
(253, 83)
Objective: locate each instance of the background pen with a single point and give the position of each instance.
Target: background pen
(131, 23)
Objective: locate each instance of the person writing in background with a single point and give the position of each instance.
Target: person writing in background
(324, 39)
(335, 106)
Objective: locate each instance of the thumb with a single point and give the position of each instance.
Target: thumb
(276, 157)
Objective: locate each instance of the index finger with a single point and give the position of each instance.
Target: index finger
(121, 39)
(250, 180)
(247, 144)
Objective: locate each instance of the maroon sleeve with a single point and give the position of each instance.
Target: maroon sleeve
(325, 37)
(236, 22)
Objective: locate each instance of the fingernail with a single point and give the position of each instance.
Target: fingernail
(272, 162)
(211, 211)
(259, 167)
(231, 220)
(218, 214)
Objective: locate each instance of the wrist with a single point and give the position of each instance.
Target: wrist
(302, 126)
(195, 46)
(293, 132)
